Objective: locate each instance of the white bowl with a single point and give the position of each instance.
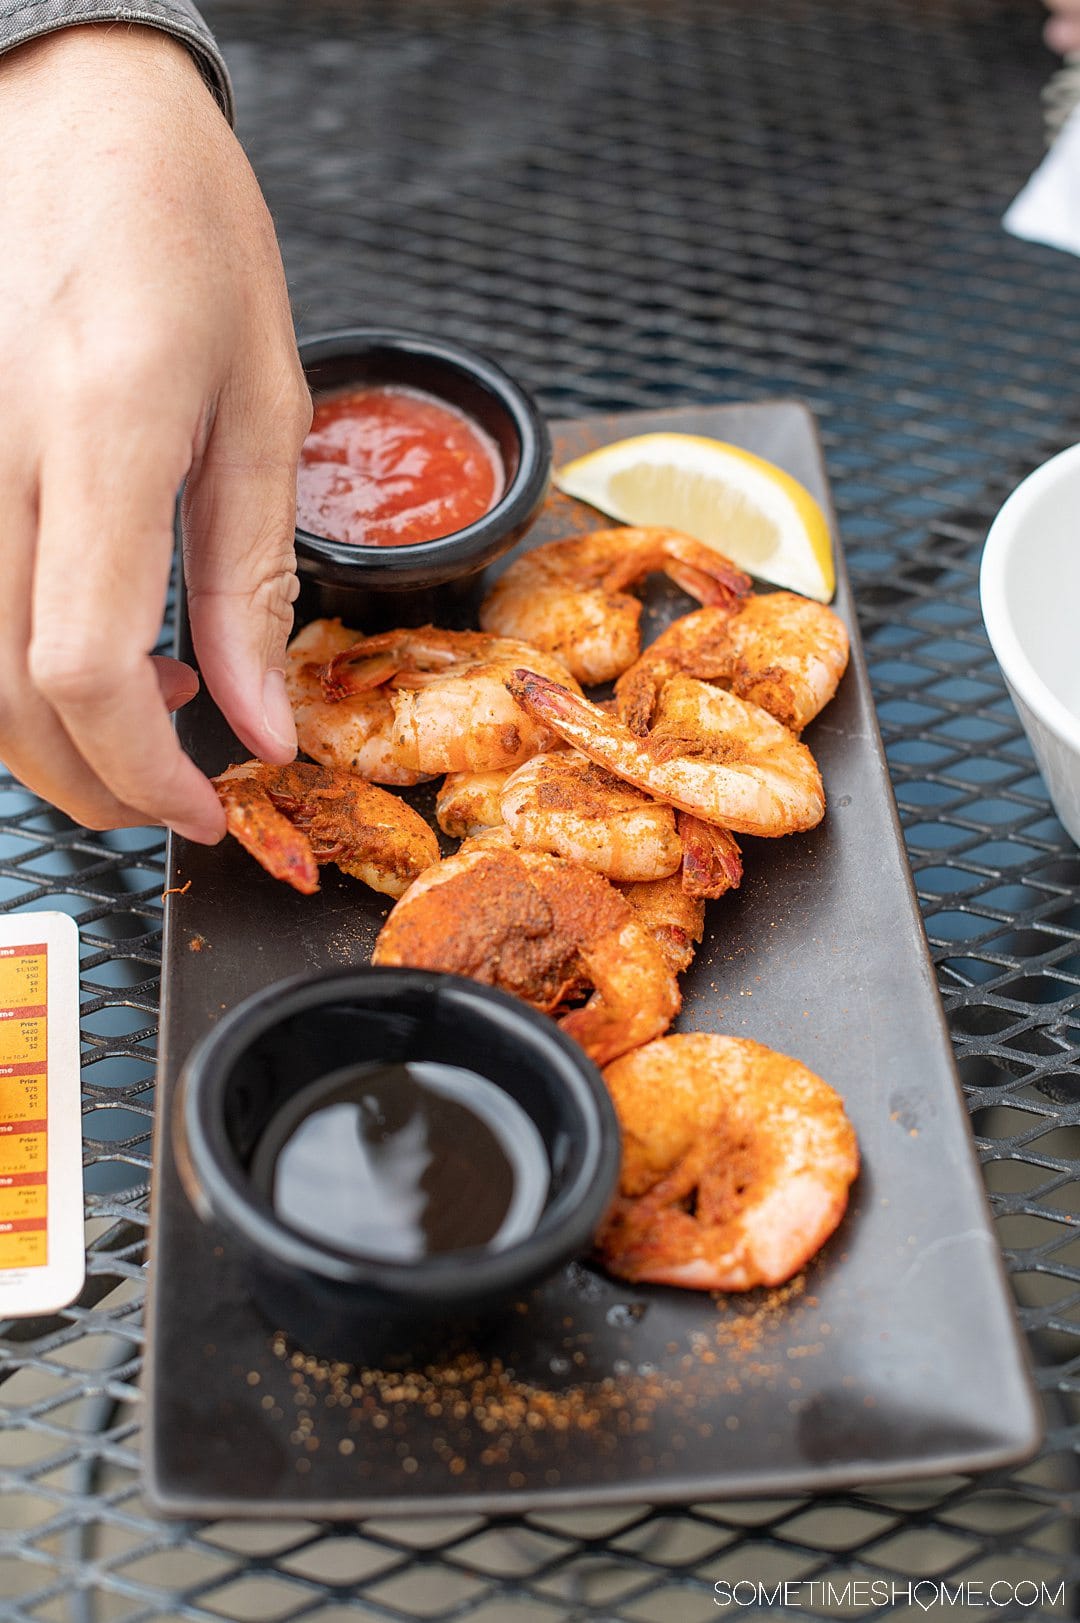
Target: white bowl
(1030, 590)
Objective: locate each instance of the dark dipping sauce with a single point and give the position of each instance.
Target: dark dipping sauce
(386, 466)
(401, 1162)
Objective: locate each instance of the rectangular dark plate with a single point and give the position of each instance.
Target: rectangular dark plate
(897, 1353)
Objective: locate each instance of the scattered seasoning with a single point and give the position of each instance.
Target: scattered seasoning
(350, 946)
(473, 1414)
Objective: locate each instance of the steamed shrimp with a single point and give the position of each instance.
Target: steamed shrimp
(713, 755)
(569, 597)
(447, 692)
(673, 917)
(469, 802)
(356, 735)
(292, 819)
(780, 651)
(546, 931)
(736, 1166)
(787, 654)
(566, 804)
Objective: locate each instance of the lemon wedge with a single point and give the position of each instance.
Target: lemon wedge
(745, 507)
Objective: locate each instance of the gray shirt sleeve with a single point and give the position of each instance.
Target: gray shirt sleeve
(22, 20)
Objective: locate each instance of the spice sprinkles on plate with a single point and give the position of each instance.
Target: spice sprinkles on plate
(429, 1418)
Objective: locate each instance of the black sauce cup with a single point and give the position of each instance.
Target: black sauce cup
(375, 587)
(336, 1302)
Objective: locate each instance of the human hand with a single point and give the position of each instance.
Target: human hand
(1062, 30)
(145, 338)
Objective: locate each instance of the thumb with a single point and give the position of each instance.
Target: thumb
(240, 569)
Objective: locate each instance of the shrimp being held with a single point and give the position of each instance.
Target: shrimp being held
(544, 930)
(452, 711)
(570, 597)
(709, 753)
(355, 736)
(780, 651)
(292, 819)
(736, 1166)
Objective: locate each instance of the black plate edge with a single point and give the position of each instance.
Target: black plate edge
(779, 1485)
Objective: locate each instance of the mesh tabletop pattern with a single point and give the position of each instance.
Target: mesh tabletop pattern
(641, 204)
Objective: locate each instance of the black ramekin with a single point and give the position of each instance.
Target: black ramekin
(374, 586)
(336, 1303)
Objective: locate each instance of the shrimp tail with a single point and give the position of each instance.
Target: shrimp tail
(541, 696)
(705, 573)
(711, 861)
(369, 663)
(574, 719)
(600, 1031)
(637, 692)
(267, 834)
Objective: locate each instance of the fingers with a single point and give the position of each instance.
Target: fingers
(178, 682)
(33, 744)
(103, 557)
(1062, 34)
(1062, 30)
(83, 704)
(54, 770)
(239, 522)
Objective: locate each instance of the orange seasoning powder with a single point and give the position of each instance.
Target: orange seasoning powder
(386, 465)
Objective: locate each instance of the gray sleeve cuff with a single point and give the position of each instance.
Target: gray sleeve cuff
(23, 20)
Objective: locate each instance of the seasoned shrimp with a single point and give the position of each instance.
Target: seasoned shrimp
(711, 754)
(736, 1164)
(711, 859)
(566, 804)
(452, 711)
(546, 931)
(468, 802)
(570, 597)
(355, 735)
(292, 819)
(673, 917)
(780, 651)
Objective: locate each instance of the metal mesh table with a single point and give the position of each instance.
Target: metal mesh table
(636, 202)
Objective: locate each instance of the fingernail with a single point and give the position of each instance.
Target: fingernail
(277, 711)
(183, 696)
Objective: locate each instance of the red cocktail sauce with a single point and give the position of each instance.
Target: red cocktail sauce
(385, 465)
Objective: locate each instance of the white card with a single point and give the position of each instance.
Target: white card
(42, 1247)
